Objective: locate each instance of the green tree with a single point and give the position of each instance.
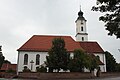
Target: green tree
(82, 60)
(6, 61)
(79, 61)
(58, 56)
(41, 69)
(112, 16)
(77, 64)
(92, 62)
(110, 62)
(118, 67)
(1, 57)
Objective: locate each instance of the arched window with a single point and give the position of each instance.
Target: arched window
(37, 59)
(25, 59)
(82, 38)
(98, 57)
(82, 28)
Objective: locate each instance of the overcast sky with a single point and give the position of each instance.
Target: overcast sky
(21, 19)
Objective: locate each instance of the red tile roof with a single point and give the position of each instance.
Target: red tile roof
(44, 43)
(7, 66)
(91, 47)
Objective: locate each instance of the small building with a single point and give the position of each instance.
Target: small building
(8, 70)
(7, 67)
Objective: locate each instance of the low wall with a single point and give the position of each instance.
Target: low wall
(110, 74)
(7, 75)
(55, 75)
(67, 75)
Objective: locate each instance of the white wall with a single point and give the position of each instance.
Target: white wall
(31, 56)
(79, 25)
(79, 37)
(78, 30)
(71, 55)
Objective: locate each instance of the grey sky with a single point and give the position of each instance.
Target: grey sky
(21, 19)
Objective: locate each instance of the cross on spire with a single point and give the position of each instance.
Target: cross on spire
(80, 13)
(80, 7)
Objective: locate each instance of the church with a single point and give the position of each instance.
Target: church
(33, 52)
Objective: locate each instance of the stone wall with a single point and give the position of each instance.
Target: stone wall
(55, 75)
(67, 75)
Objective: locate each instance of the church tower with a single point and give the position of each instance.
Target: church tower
(81, 33)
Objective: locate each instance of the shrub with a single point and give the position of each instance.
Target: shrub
(10, 71)
(41, 69)
(26, 69)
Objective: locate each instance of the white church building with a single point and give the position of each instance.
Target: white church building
(33, 53)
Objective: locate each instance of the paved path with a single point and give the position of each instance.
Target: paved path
(113, 78)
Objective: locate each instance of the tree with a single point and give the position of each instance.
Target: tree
(1, 57)
(6, 61)
(77, 64)
(118, 67)
(112, 16)
(1, 60)
(110, 62)
(82, 60)
(41, 69)
(58, 56)
(92, 62)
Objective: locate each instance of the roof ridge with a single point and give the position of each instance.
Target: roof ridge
(53, 35)
(35, 42)
(87, 41)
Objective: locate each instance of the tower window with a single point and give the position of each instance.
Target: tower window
(81, 21)
(82, 38)
(25, 59)
(82, 28)
(37, 59)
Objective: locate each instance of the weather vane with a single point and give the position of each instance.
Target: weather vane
(80, 7)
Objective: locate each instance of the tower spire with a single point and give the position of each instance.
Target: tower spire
(80, 13)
